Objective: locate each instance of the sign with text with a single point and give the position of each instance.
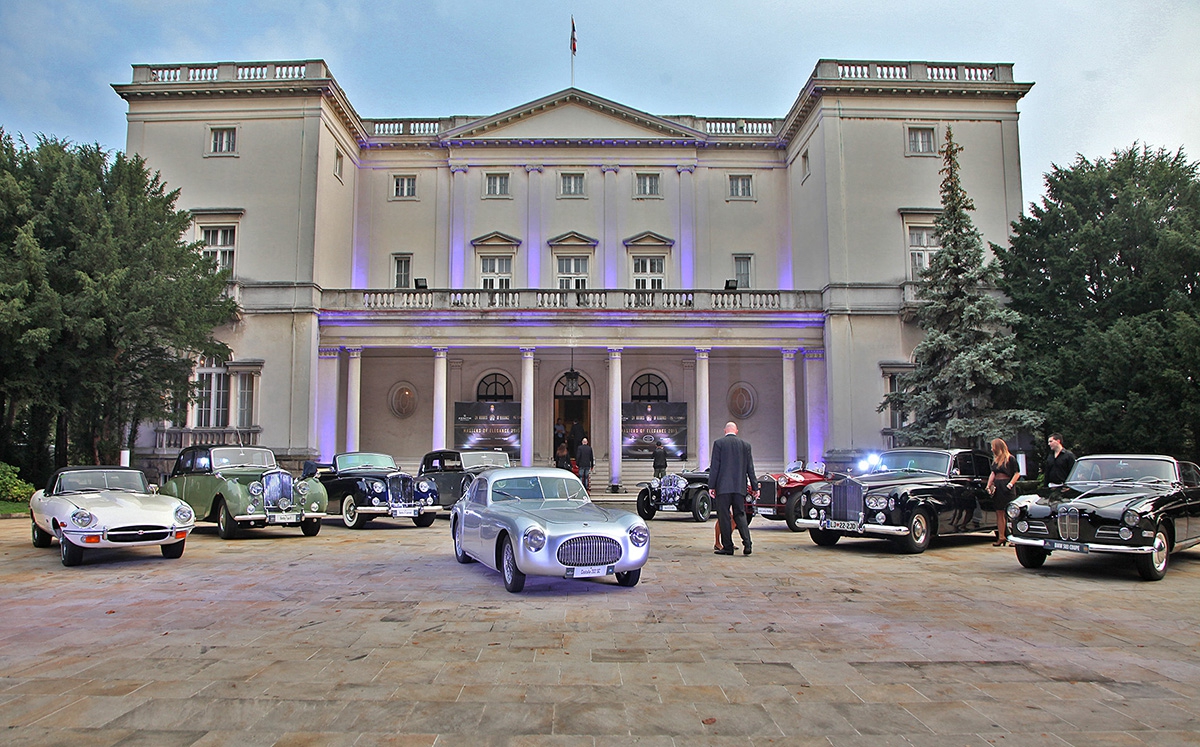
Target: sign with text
(488, 425)
(644, 423)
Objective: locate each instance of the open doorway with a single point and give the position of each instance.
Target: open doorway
(572, 411)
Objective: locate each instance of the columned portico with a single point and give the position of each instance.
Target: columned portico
(527, 407)
(353, 396)
(703, 444)
(789, 405)
(439, 399)
(614, 418)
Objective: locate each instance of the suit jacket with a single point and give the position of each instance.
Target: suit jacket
(732, 467)
(584, 457)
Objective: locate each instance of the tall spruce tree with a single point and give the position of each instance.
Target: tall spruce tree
(968, 353)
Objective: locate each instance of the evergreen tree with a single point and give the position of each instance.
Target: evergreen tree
(968, 353)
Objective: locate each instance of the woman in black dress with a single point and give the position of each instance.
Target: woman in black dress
(1005, 473)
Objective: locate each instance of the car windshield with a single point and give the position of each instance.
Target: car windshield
(796, 466)
(1121, 469)
(362, 460)
(127, 480)
(913, 461)
(538, 489)
(484, 459)
(242, 457)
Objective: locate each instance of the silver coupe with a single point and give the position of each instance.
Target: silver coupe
(539, 521)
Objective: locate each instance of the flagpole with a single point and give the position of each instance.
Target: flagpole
(573, 44)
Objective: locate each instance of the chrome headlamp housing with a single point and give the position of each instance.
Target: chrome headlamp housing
(1013, 510)
(255, 488)
(184, 514)
(285, 502)
(1130, 518)
(639, 535)
(535, 539)
(82, 518)
(821, 499)
(654, 483)
(876, 502)
(300, 487)
(424, 486)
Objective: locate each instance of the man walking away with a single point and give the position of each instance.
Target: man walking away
(660, 460)
(585, 460)
(732, 469)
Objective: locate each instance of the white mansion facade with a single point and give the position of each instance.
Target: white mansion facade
(568, 259)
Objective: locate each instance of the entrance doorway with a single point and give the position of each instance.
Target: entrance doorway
(572, 408)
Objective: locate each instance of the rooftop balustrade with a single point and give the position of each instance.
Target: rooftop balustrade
(580, 300)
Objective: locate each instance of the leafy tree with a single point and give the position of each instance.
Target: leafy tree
(967, 354)
(103, 306)
(1105, 274)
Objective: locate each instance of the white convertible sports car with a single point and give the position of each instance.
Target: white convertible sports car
(539, 521)
(107, 507)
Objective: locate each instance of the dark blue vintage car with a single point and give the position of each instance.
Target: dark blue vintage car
(363, 486)
(1143, 505)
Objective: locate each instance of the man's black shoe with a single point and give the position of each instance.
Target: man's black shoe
(746, 550)
(722, 552)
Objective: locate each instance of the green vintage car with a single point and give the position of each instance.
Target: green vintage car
(242, 487)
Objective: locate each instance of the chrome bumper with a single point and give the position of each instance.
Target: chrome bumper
(882, 529)
(1091, 546)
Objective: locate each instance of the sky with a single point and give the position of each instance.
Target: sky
(1107, 73)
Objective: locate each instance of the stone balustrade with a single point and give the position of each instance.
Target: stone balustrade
(543, 300)
(915, 71)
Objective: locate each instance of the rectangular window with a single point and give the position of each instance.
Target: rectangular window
(921, 140)
(571, 185)
(338, 164)
(648, 185)
(219, 244)
(572, 273)
(212, 398)
(648, 272)
(495, 273)
(224, 140)
(805, 167)
(741, 270)
(403, 267)
(740, 186)
(497, 185)
(245, 404)
(404, 187)
(922, 243)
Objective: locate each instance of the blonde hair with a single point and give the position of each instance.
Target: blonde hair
(1000, 453)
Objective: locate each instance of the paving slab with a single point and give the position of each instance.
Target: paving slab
(378, 637)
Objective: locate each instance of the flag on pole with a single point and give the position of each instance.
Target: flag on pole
(574, 44)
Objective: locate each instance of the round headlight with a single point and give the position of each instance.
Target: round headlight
(256, 488)
(1130, 518)
(82, 518)
(302, 488)
(812, 513)
(314, 505)
(535, 539)
(184, 514)
(639, 535)
(1013, 510)
(285, 502)
(654, 483)
(1022, 526)
(375, 501)
(376, 487)
(821, 499)
(1125, 533)
(881, 518)
(423, 486)
(875, 502)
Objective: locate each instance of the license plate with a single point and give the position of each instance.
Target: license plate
(282, 518)
(766, 511)
(1068, 546)
(668, 507)
(406, 512)
(846, 526)
(589, 571)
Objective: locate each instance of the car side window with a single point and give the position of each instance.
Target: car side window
(983, 467)
(964, 465)
(202, 463)
(1190, 474)
(183, 464)
(475, 493)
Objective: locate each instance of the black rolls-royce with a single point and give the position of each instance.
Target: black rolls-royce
(910, 496)
(1143, 505)
(452, 470)
(362, 486)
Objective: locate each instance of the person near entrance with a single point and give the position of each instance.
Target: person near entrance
(660, 460)
(585, 460)
(729, 474)
(575, 438)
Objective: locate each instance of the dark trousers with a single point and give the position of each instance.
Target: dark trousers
(735, 502)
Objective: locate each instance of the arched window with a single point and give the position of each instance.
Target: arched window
(648, 388)
(494, 388)
(563, 388)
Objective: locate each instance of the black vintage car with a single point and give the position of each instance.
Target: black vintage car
(682, 493)
(363, 486)
(910, 496)
(1144, 505)
(452, 470)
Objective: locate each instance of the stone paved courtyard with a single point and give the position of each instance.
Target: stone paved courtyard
(379, 637)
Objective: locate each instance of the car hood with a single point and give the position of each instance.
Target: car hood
(562, 512)
(1109, 501)
(881, 480)
(116, 501)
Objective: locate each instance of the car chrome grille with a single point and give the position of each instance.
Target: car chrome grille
(277, 490)
(1068, 523)
(671, 488)
(1108, 533)
(1037, 527)
(400, 490)
(847, 502)
(767, 488)
(141, 533)
(583, 551)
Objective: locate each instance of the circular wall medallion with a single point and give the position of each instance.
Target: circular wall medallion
(742, 400)
(403, 399)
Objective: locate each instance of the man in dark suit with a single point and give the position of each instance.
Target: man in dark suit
(586, 461)
(729, 474)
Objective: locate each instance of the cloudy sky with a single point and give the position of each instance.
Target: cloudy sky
(1107, 72)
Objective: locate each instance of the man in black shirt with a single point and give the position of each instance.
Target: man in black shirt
(1058, 463)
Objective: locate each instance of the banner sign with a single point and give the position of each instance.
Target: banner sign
(643, 423)
(487, 426)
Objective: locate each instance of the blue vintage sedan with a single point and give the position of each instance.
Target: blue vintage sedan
(539, 521)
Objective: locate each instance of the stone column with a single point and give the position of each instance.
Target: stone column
(458, 226)
(610, 256)
(816, 398)
(533, 227)
(439, 398)
(353, 396)
(703, 443)
(614, 419)
(687, 225)
(789, 405)
(527, 407)
(327, 402)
